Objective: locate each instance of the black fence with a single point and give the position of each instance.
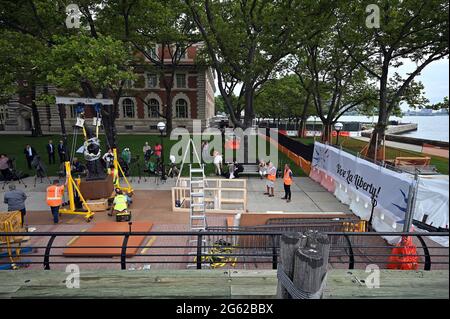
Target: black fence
(217, 248)
(304, 150)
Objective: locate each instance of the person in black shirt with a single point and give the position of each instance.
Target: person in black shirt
(51, 152)
(29, 152)
(62, 152)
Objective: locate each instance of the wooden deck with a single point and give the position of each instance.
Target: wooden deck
(214, 284)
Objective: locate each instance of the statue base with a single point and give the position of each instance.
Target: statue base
(97, 189)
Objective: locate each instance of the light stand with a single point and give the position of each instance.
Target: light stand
(338, 127)
(161, 127)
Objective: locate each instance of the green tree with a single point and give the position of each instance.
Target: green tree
(219, 104)
(440, 105)
(160, 33)
(335, 83)
(412, 30)
(100, 64)
(284, 98)
(45, 21)
(245, 41)
(18, 72)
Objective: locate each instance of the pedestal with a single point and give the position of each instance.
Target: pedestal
(97, 189)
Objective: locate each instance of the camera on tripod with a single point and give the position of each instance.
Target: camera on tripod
(40, 169)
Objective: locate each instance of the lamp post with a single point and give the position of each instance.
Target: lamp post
(161, 127)
(338, 127)
(314, 128)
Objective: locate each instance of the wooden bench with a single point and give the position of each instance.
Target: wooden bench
(416, 161)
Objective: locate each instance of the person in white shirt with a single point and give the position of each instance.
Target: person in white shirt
(146, 148)
(108, 158)
(262, 169)
(218, 163)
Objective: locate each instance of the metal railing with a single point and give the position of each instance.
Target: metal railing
(249, 248)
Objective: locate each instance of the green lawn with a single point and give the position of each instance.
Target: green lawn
(355, 146)
(13, 146)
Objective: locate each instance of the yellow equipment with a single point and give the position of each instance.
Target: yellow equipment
(72, 187)
(219, 255)
(117, 168)
(9, 223)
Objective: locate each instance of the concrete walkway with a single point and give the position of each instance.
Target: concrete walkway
(307, 195)
(402, 146)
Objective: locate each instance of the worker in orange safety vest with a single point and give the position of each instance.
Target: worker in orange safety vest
(55, 194)
(271, 177)
(287, 180)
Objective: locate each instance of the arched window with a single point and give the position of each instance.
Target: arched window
(181, 108)
(128, 108)
(153, 108)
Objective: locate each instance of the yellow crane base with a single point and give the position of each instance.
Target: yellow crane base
(87, 215)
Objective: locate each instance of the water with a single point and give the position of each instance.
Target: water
(428, 127)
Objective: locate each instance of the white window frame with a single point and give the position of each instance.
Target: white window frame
(130, 86)
(147, 83)
(122, 110)
(154, 54)
(185, 81)
(149, 110)
(187, 108)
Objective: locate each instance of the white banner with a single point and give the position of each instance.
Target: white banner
(388, 188)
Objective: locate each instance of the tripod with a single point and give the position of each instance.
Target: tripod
(13, 176)
(135, 161)
(159, 176)
(41, 172)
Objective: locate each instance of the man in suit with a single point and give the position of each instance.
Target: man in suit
(62, 152)
(51, 152)
(29, 152)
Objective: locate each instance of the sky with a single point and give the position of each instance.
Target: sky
(435, 78)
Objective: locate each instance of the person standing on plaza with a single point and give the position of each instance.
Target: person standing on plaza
(15, 199)
(287, 180)
(30, 153)
(206, 157)
(51, 152)
(158, 154)
(126, 155)
(108, 158)
(270, 179)
(4, 167)
(218, 159)
(62, 152)
(146, 148)
(55, 199)
(158, 150)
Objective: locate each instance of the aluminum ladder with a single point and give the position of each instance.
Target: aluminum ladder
(197, 215)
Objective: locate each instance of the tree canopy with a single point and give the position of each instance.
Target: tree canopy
(343, 55)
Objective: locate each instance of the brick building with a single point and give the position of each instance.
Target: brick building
(192, 98)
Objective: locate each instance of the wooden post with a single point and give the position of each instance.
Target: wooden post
(308, 265)
(323, 247)
(321, 243)
(289, 243)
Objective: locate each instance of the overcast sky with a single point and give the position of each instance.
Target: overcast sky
(435, 79)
